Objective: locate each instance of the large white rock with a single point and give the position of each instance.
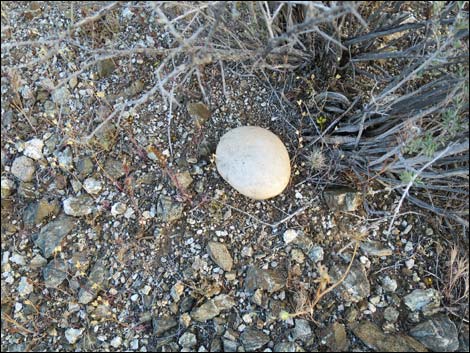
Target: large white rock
(254, 161)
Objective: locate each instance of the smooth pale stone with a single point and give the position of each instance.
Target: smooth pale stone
(254, 161)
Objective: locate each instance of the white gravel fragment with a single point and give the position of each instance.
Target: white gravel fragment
(92, 186)
(290, 235)
(72, 335)
(33, 149)
(118, 208)
(116, 342)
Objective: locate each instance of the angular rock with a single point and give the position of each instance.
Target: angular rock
(376, 339)
(253, 339)
(72, 335)
(426, 300)
(114, 168)
(336, 339)
(167, 210)
(356, 286)
(97, 280)
(269, 280)
(54, 273)
(24, 287)
(375, 248)
(342, 199)
(391, 314)
(105, 137)
(78, 206)
(33, 149)
(229, 346)
(51, 235)
(8, 187)
(316, 254)
(23, 168)
(212, 308)
(389, 284)
(290, 235)
(287, 347)
(184, 179)
(65, 158)
(84, 167)
(61, 95)
(36, 212)
(438, 333)
(187, 340)
(37, 262)
(92, 186)
(301, 330)
(220, 255)
(162, 325)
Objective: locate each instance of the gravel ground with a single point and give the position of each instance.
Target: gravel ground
(135, 243)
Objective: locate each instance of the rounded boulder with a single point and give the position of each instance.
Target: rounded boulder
(254, 161)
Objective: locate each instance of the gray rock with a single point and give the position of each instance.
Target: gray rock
(105, 137)
(61, 95)
(167, 210)
(114, 168)
(335, 338)
(376, 339)
(65, 158)
(375, 248)
(105, 68)
(426, 300)
(269, 280)
(183, 179)
(33, 148)
(84, 167)
(24, 287)
(287, 347)
(187, 340)
(23, 168)
(36, 212)
(342, 199)
(316, 254)
(220, 255)
(356, 286)
(463, 339)
(78, 206)
(389, 284)
(253, 339)
(72, 335)
(116, 342)
(37, 262)
(97, 280)
(92, 186)
(54, 273)
(438, 333)
(162, 325)
(212, 308)
(51, 235)
(301, 330)
(229, 346)
(18, 259)
(391, 314)
(8, 187)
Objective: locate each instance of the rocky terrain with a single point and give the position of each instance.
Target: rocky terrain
(133, 241)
